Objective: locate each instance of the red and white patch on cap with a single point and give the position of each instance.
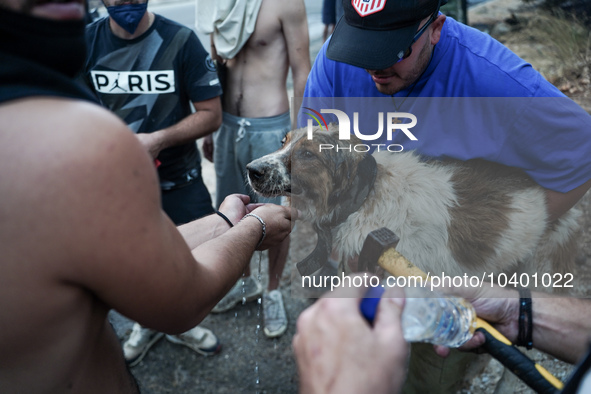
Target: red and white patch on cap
(368, 7)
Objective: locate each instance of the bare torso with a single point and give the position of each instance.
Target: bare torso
(57, 339)
(257, 76)
(256, 85)
(82, 231)
(54, 335)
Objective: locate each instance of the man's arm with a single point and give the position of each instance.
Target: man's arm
(561, 326)
(206, 119)
(295, 31)
(115, 241)
(559, 203)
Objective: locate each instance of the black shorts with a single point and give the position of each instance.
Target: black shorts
(188, 202)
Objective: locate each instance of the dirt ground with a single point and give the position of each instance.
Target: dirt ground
(251, 363)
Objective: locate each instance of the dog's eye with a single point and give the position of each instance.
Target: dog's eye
(306, 154)
(283, 140)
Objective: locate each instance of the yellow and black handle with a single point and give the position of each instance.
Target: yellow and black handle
(379, 250)
(530, 372)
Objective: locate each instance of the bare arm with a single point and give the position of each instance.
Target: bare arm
(295, 31)
(234, 207)
(559, 203)
(206, 119)
(561, 326)
(115, 241)
(208, 145)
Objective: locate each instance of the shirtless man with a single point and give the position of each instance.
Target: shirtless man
(256, 84)
(255, 120)
(82, 230)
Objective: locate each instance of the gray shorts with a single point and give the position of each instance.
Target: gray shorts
(240, 141)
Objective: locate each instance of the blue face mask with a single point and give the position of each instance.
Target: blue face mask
(128, 16)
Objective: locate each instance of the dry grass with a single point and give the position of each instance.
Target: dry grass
(558, 45)
(566, 37)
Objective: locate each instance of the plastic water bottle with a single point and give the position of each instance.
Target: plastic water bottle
(429, 317)
(448, 321)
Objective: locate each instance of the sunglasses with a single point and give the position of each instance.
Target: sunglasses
(408, 51)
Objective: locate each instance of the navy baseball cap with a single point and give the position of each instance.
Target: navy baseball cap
(374, 34)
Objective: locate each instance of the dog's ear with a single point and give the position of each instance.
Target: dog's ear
(345, 165)
(341, 163)
(333, 128)
(333, 198)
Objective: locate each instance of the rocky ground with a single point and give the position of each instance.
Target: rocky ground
(251, 363)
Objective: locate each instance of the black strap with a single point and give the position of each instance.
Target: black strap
(225, 218)
(319, 256)
(524, 337)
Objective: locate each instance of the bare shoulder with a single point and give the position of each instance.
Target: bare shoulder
(272, 11)
(83, 205)
(72, 164)
(59, 118)
(289, 9)
(59, 141)
(64, 207)
(67, 127)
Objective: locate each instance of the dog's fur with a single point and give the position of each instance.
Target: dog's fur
(451, 216)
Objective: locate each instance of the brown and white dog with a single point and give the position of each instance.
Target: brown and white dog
(451, 216)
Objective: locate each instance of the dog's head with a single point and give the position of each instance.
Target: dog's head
(313, 173)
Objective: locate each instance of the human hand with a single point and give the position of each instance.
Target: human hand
(337, 351)
(207, 147)
(498, 306)
(235, 206)
(151, 142)
(278, 222)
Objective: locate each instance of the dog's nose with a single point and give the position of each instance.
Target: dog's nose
(254, 172)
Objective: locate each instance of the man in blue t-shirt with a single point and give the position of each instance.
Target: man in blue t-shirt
(472, 97)
(407, 52)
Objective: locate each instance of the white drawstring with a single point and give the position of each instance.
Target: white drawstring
(242, 130)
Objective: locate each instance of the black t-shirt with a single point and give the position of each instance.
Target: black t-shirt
(150, 83)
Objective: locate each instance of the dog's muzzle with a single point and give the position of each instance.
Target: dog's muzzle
(266, 180)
